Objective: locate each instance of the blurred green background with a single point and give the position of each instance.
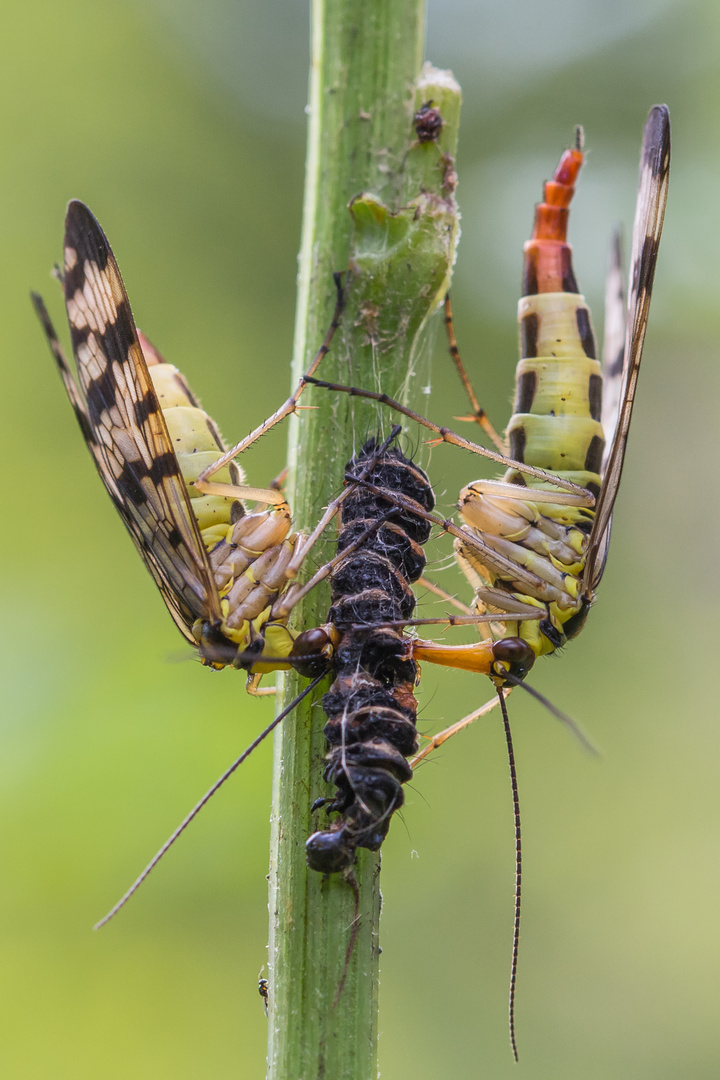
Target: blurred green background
(183, 127)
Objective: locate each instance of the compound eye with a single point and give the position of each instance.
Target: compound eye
(516, 654)
(216, 650)
(311, 643)
(311, 652)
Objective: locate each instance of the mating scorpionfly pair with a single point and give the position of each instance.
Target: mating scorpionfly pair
(532, 545)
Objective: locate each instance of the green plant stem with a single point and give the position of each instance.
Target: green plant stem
(398, 243)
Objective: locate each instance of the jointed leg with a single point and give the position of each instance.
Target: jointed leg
(203, 482)
(479, 415)
(525, 615)
(293, 595)
(431, 587)
(460, 725)
(253, 686)
(284, 605)
(582, 496)
(303, 548)
(520, 575)
(502, 490)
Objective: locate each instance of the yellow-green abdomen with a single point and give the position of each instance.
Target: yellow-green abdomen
(558, 391)
(197, 443)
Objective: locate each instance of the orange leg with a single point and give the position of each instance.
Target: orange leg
(446, 435)
(459, 725)
(203, 482)
(479, 416)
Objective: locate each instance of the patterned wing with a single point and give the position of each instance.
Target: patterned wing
(613, 346)
(613, 368)
(649, 214)
(122, 422)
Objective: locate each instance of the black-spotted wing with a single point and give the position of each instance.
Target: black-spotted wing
(621, 375)
(122, 422)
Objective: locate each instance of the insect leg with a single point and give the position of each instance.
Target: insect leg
(479, 416)
(448, 436)
(521, 576)
(514, 613)
(442, 736)
(431, 587)
(296, 592)
(255, 690)
(203, 482)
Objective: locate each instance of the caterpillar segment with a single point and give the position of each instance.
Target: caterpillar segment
(371, 706)
(222, 569)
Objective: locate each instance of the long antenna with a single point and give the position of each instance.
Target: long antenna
(518, 872)
(557, 713)
(206, 797)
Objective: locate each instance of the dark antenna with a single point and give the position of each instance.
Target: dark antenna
(574, 727)
(518, 872)
(206, 797)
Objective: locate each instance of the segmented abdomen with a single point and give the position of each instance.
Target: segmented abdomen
(558, 390)
(555, 426)
(249, 552)
(197, 444)
(371, 706)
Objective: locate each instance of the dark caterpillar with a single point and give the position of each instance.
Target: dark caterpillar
(371, 705)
